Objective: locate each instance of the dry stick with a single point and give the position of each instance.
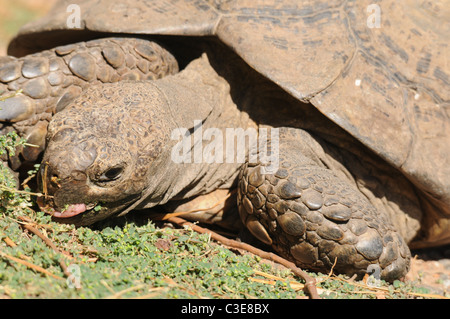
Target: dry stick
(154, 293)
(48, 242)
(310, 283)
(385, 290)
(271, 280)
(44, 181)
(26, 180)
(30, 265)
(13, 190)
(9, 242)
(118, 294)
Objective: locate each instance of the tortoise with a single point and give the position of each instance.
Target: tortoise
(133, 101)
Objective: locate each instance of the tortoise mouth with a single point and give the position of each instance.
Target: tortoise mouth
(81, 214)
(72, 210)
(68, 211)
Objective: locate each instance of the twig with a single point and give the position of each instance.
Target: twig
(9, 242)
(273, 279)
(29, 178)
(48, 242)
(119, 294)
(310, 283)
(30, 265)
(383, 289)
(13, 190)
(44, 180)
(104, 283)
(155, 293)
(31, 145)
(331, 271)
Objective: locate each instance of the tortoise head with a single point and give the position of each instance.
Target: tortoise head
(101, 151)
(112, 148)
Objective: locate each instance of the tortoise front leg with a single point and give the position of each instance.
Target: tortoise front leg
(313, 217)
(50, 80)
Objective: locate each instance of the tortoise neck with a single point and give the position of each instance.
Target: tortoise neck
(203, 151)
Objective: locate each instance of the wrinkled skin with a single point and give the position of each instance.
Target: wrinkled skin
(303, 209)
(78, 164)
(95, 159)
(362, 112)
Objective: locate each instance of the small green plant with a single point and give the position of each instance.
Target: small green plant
(127, 258)
(11, 199)
(9, 142)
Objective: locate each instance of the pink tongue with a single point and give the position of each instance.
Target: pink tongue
(72, 210)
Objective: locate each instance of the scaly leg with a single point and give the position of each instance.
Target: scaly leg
(51, 79)
(313, 217)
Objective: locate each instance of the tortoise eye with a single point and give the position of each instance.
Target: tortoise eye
(111, 174)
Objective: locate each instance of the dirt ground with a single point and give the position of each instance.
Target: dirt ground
(430, 268)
